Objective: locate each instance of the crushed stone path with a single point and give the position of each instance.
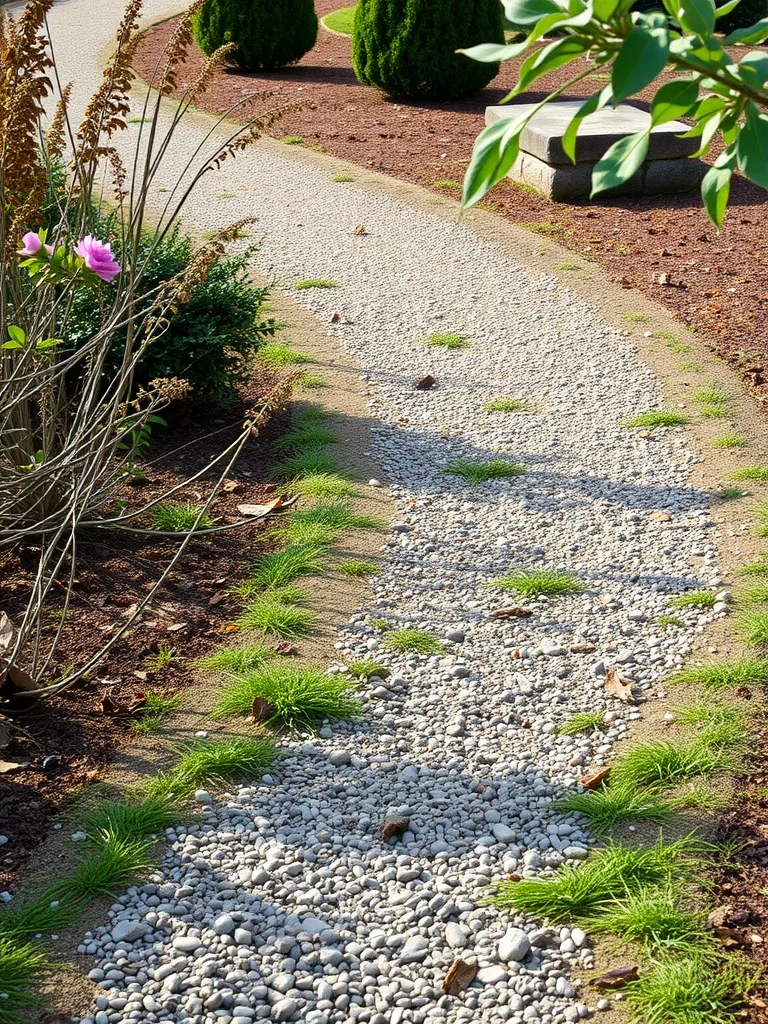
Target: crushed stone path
(283, 904)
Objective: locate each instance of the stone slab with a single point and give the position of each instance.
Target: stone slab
(568, 181)
(542, 136)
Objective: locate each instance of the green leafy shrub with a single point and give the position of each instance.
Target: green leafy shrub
(746, 13)
(210, 340)
(409, 48)
(268, 34)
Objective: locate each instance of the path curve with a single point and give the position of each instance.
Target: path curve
(333, 925)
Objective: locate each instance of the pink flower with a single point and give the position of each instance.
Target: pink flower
(98, 257)
(33, 243)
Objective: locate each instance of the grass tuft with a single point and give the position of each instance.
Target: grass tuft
(341, 178)
(335, 517)
(584, 721)
(753, 626)
(663, 762)
(658, 418)
(507, 405)
(357, 569)
(652, 915)
(156, 709)
(692, 989)
(314, 282)
(444, 341)
(479, 472)
(301, 697)
(721, 675)
(761, 510)
(757, 593)
(215, 762)
(751, 473)
(281, 567)
(278, 354)
(292, 140)
(535, 582)
(757, 568)
(323, 485)
(635, 318)
(273, 615)
(311, 381)
(694, 599)
(613, 804)
(669, 620)
(236, 659)
(367, 670)
(307, 464)
(170, 518)
(120, 820)
(729, 493)
(713, 402)
(729, 441)
(20, 964)
(417, 641)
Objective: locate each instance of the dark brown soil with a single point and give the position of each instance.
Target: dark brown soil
(717, 284)
(69, 740)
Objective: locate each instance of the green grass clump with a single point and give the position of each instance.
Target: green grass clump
(584, 721)
(20, 965)
(236, 659)
(445, 341)
(367, 669)
(535, 582)
(274, 616)
(715, 716)
(277, 354)
(341, 178)
(757, 593)
(119, 862)
(761, 510)
(292, 140)
(753, 626)
(635, 318)
(757, 568)
(729, 493)
(163, 658)
(416, 641)
(652, 915)
(721, 675)
(609, 874)
(658, 418)
(334, 516)
(696, 988)
(448, 183)
(611, 805)
(694, 599)
(311, 381)
(479, 472)
(507, 405)
(669, 620)
(567, 266)
(156, 709)
(304, 436)
(307, 464)
(751, 473)
(357, 569)
(729, 441)
(663, 762)
(323, 485)
(301, 697)
(281, 567)
(713, 402)
(315, 282)
(341, 21)
(119, 819)
(171, 518)
(217, 761)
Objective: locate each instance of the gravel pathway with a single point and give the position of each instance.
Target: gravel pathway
(283, 904)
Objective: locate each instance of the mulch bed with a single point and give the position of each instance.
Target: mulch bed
(69, 740)
(717, 284)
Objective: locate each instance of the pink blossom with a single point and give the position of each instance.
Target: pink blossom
(98, 257)
(33, 243)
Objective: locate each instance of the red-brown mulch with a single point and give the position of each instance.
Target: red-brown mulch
(718, 284)
(68, 741)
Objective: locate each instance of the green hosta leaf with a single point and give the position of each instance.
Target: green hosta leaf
(716, 186)
(620, 162)
(754, 34)
(590, 106)
(674, 100)
(491, 53)
(495, 151)
(528, 12)
(697, 17)
(10, 345)
(752, 147)
(17, 334)
(642, 57)
(555, 55)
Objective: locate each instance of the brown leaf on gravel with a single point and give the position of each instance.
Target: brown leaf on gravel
(229, 486)
(286, 648)
(593, 780)
(260, 510)
(20, 679)
(425, 383)
(359, 229)
(218, 597)
(393, 825)
(262, 710)
(663, 517)
(616, 686)
(511, 613)
(582, 648)
(229, 627)
(336, 318)
(6, 767)
(617, 978)
(460, 976)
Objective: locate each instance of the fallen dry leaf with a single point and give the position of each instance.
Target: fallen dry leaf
(336, 318)
(731, 938)
(425, 383)
(460, 976)
(218, 597)
(231, 485)
(663, 517)
(616, 978)
(6, 767)
(262, 710)
(393, 825)
(7, 632)
(616, 686)
(359, 229)
(260, 510)
(582, 648)
(511, 613)
(229, 627)
(593, 780)
(286, 648)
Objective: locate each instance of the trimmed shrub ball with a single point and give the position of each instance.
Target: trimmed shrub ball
(407, 47)
(268, 33)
